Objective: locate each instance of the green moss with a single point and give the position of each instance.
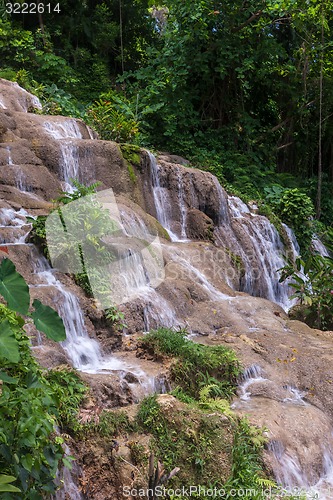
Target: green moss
(236, 260)
(131, 154)
(182, 436)
(131, 173)
(132, 158)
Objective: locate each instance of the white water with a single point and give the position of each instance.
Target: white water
(290, 475)
(83, 351)
(189, 270)
(259, 247)
(293, 243)
(319, 247)
(270, 249)
(237, 207)
(162, 198)
(252, 375)
(294, 395)
(10, 160)
(181, 202)
(65, 129)
(65, 481)
(70, 162)
(262, 253)
(21, 181)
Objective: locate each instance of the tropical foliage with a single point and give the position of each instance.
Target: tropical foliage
(312, 282)
(30, 450)
(243, 90)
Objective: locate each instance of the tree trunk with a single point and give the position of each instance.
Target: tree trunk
(320, 160)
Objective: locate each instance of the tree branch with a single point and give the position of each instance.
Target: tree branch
(248, 21)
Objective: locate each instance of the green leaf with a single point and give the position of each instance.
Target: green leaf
(27, 462)
(13, 287)
(67, 461)
(9, 347)
(48, 321)
(4, 479)
(10, 488)
(6, 378)
(4, 486)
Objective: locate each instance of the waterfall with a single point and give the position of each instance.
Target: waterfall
(252, 375)
(21, 181)
(289, 473)
(257, 394)
(83, 351)
(319, 247)
(237, 207)
(251, 237)
(162, 198)
(178, 194)
(66, 129)
(257, 242)
(66, 482)
(64, 132)
(189, 270)
(10, 160)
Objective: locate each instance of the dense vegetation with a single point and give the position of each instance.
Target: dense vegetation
(241, 88)
(32, 403)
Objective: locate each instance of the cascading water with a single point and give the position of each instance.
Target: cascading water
(289, 474)
(10, 160)
(253, 238)
(261, 250)
(161, 198)
(66, 129)
(65, 132)
(183, 211)
(189, 270)
(83, 351)
(319, 247)
(252, 375)
(66, 482)
(237, 207)
(254, 392)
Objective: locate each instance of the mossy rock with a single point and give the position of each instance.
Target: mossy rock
(131, 153)
(132, 158)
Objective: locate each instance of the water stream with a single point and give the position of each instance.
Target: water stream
(290, 475)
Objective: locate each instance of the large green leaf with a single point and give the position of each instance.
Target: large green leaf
(6, 378)
(4, 486)
(48, 321)
(9, 347)
(13, 287)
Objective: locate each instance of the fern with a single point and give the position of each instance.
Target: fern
(214, 404)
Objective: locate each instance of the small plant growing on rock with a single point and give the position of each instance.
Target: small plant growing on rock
(195, 365)
(158, 477)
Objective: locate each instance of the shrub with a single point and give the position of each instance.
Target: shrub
(195, 365)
